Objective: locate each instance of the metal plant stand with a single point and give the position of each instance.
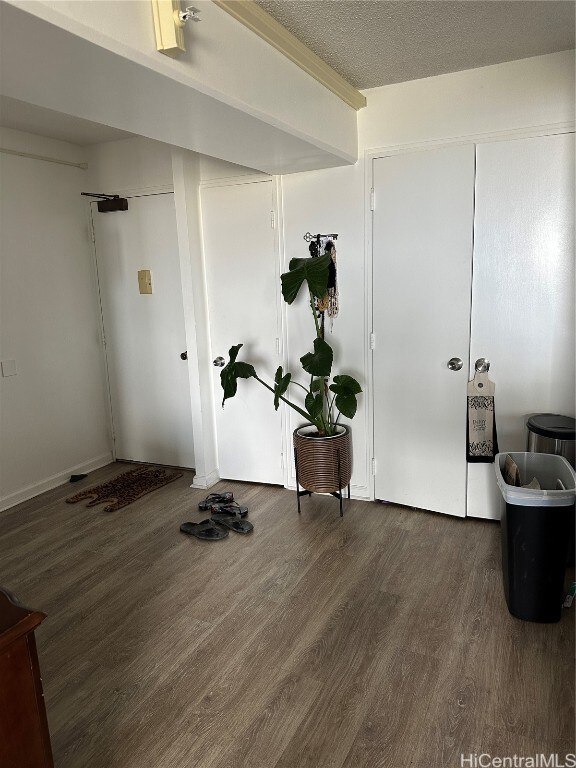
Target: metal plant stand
(337, 494)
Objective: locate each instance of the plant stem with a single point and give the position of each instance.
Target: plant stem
(285, 400)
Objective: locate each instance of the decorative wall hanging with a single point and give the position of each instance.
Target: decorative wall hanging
(320, 245)
(482, 440)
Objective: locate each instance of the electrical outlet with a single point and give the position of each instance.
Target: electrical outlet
(8, 368)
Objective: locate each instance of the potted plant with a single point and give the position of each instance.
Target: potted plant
(323, 448)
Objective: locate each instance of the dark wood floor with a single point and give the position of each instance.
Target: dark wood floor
(380, 639)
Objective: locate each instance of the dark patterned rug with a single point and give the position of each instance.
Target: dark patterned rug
(126, 488)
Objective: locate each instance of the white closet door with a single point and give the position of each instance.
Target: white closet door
(243, 283)
(422, 257)
(523, 291)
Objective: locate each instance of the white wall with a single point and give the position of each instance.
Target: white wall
(503, 97)
(131, 164)
(211, 168)
(54, 415)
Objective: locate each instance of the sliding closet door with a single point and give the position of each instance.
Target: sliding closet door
(422, 257)
(523, 293)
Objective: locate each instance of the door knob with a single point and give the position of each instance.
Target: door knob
(184, 355)
(455, 363)
(482, 365)
(219, 362)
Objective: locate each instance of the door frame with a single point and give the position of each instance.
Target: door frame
(369, 156)
(132, 192)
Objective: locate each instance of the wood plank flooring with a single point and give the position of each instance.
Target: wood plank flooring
(377, 639)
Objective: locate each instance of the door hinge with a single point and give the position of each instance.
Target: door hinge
(372, 199)
(373, 466)
(272, 219)
(372, 340)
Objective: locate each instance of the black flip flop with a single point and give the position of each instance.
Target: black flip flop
(216, 498)
(206, 530)
(234, 523)
(231, 510)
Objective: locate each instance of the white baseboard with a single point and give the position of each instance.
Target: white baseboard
(205, 481)
(53, 482)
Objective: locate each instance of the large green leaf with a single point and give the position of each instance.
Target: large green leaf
(233, 371)
(314, 405)
(312, 271)
(281, 384)
(317, 385)
(319, 362)
(346, 383)
(346, 388)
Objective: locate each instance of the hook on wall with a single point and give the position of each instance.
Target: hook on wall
(308, 237)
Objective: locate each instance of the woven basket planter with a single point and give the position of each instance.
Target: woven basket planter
(323, 464)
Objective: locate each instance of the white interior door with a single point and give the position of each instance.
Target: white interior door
(523, 290)
(422, 260)
(243, 284)
(149, 383)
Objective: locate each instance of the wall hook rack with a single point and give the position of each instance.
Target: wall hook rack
(308, 237)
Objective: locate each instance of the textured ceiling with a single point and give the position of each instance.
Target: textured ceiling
(375, 42)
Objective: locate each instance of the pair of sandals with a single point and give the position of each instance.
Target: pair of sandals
(225, 513)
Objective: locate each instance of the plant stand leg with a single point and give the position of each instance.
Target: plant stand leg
(297, 485)
(298, 491)
(340, 485)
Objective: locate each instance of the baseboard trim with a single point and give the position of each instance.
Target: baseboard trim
(25, 494)
(205, 481)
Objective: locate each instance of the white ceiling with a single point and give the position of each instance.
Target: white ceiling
(376, 42)
(372, 43)
(22, 116)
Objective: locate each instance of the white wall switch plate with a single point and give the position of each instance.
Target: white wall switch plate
(8, 368)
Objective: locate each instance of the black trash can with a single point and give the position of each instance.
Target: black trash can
(535, 528)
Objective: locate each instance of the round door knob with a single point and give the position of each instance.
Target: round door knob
(455, 363)
(219, 362)
(184, 356)
(482, 365)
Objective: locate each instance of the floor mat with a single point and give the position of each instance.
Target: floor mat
(126, 488)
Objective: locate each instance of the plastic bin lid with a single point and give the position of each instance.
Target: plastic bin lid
(548, 469)
(553, 425)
